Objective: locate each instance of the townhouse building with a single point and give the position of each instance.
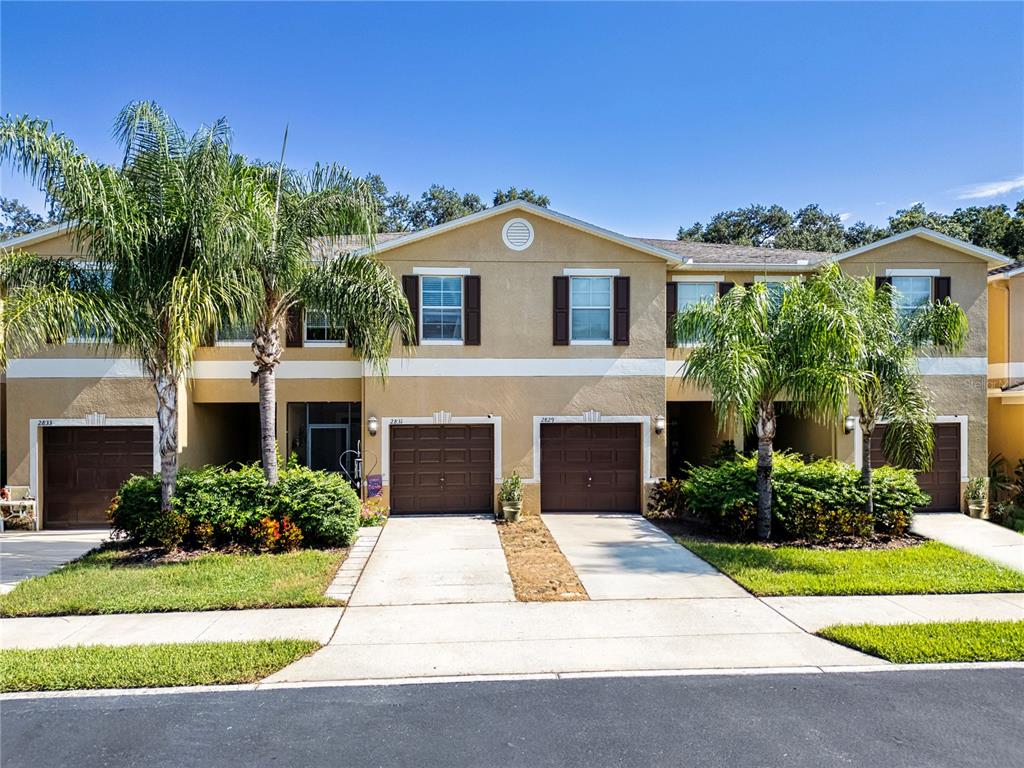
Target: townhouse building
(541, 348)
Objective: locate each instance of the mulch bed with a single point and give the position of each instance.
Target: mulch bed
(539, 570)
(699, 530)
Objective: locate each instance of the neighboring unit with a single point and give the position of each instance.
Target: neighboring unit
(540, 348)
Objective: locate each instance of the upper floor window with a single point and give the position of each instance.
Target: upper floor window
(691, 294)
(590, 310)
(911, 292)
(234, 334)
(93, 277)
(441, 309)
(318, 330)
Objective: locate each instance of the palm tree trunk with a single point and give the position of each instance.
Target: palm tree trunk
(167, 435)
(268, 407)
(266, 346)
(866, 428)
(765, 437)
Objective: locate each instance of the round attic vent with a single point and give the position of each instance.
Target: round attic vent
(517, 234)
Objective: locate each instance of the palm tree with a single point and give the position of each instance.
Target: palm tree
(890, 389)
(163, 225)
(295, 216)
(754, 347)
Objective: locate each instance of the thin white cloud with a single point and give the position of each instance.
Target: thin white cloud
(991, 189)
(844, 216)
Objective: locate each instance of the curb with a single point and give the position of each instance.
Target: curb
(552, 676)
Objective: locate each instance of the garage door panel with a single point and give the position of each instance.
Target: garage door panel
(84, 466)
(590, 467)
(942, 481)
(452, 468)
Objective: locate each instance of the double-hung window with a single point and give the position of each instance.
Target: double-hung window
(441, 309)
(911, 292)
(691, 294)
(93, 276)
(234, 334)
(590, 310)
(319, 330)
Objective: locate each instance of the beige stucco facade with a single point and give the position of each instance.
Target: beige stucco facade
(516, 378)
(1006, 365)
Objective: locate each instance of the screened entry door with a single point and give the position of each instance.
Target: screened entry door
(326, 445)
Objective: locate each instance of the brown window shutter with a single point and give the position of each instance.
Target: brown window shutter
(880, 281)
(560, 321)
(724, 288)
(748, 285)
(621, 335)
(411, 286)
(671, 303)
(293, 327)
(471, 309)
(942, 287)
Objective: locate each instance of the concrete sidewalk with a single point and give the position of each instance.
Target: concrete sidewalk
(149, 628)
(424, 641)
(24, 554)
(813, 613)
(979, 537)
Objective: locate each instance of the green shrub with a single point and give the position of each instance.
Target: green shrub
(666, 498)
(229, 507)
(816, 501)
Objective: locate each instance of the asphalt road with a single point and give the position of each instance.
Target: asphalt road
(922, 719)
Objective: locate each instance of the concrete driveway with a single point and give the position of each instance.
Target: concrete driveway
(24, 554)
(436, 600)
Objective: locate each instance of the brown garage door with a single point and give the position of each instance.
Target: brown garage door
(83, 468)
(590, 467)
(438, 468)
(942, 481)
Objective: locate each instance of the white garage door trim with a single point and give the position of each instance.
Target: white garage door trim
(595, 418)
(442, 418)
(858, 442)
(92, 420)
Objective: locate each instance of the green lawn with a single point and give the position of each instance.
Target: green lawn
(923, 643)
(928, 568)
(137, 666)
(101, 582)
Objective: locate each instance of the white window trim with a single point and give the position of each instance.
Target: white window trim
(611, 309)
(232, 343)
(645, 439)
(858, 442)
(588, 272)
(912, 272)
(774, 278)
(385, 437)
(34, 426)
(306, 342)
(462, 310)
(442, 271)
(698, 278)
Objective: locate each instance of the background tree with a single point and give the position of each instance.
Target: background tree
(527, 194)
(756, 346)
(440, 204)
(812, 228)
(19, 219)
(162, 225)
(890, 388)
(293, 213)
(391, 211)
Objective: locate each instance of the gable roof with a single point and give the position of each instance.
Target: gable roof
(936, 237)
(536, 210)
(46, 233)
(719, 254)
(1007, 271)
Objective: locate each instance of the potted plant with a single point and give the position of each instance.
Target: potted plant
(976, 494)
(511, 497)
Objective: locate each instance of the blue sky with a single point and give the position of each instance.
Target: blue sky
(635, 117)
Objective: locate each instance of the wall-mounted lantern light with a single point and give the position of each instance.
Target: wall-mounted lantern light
(371, 426)
(659, 424)
(849, 424)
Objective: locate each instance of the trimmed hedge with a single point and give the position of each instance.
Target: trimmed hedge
(814, 501)
(214, 506)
